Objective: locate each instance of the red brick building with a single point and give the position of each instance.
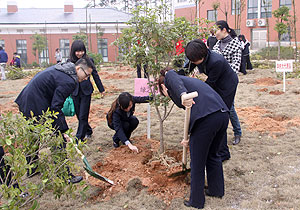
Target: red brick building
(58, 25)
(252, 21)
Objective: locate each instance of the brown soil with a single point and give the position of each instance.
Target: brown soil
(276, 92)
(267, 81)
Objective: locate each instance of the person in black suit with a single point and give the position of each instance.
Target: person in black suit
(208, 124)
(83, 92)
(121, 119)
(220, 77)
(245, 55)
(49, 90)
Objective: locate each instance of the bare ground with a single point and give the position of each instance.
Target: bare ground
(263, 172)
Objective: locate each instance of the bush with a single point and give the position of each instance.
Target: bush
(272, 53)
(23, 138)
(96, 57)
(15, 73)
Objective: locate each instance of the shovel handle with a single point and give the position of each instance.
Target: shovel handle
(186, 125)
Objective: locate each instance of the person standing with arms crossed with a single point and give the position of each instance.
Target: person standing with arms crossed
(83, 92)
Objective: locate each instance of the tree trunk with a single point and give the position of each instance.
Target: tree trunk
(295, 30)
(161, 137)
(278, 56)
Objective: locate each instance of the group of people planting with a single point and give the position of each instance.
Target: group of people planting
(210, 111)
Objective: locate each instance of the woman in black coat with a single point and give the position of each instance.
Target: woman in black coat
(208, 124)
(83, 92)
(121, 119)
(245, 55)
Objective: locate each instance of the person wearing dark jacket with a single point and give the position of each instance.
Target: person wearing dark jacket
(83, 93)
(121, 119)
(208, 124)
(245, 55)
(220, 76)
(49, 90)
(212, 40)
(3, 61)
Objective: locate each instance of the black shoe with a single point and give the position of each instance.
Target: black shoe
(188, 204)
(75, 179)
(24, 195)
(236, 140)
(116, 145)
(206, 192)
(88, 136)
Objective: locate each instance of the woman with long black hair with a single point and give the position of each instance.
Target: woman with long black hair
(83, 92)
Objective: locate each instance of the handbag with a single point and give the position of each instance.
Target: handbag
(69, 108)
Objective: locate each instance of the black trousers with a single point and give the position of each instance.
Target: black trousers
(243, 65)
(82, 105)
(4, 171)
(139, 69)
(205, 140)
(128, 127)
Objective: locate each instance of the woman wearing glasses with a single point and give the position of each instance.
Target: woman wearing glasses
(83, 92)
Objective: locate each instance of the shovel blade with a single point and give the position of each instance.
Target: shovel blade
(98, 176)
(180, 173)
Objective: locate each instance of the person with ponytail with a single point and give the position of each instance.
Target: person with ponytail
(121, 119)
(207, 128)
(230, 47)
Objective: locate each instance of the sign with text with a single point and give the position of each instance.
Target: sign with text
(141, 87)
(284, 66)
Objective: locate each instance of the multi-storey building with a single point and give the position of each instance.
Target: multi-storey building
(248, 17)
(58, 25)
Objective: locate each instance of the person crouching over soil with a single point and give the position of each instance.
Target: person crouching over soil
(208, 124)
(120, 118)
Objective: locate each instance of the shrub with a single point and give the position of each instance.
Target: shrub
(272, 53)
(22, 138)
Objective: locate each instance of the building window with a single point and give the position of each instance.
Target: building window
(252, 9)
(287, 3)
(64, 46)
(180, 1)
(266, 8)
(22, 49)
(2, 44)
(103, 49)
(235, 7)
(286, 36)
(19, 30)
(212, 15)
(64, 30)
(44, 57)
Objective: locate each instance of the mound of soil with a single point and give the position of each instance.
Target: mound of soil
(146, 169)
(267, 81)
(276, 92)
(107, 75)
(262, 120)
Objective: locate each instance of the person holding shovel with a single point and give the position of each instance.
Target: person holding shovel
(121, 119)
(207, 127)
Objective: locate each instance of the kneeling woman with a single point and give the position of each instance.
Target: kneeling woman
(120, 118)
(208, 124)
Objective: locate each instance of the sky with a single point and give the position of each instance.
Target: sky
(44, 3)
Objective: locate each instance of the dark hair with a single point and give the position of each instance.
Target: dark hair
(196, 50)
(221, 24)
(15, 53)
(1, 48)
(242, 37)
(161, 78)
(84, 63)
(56, 49)
(122, 101)
(77, 45)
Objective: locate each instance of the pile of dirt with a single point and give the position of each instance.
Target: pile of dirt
(267, 81)
(276, 92)
(262, 120)
(145, 170)
(111, 90)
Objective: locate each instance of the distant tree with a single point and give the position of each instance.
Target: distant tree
(281, 26)
(224, 10)
(295, 29)
(39, 44)
(81, 36)
(216, 6)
